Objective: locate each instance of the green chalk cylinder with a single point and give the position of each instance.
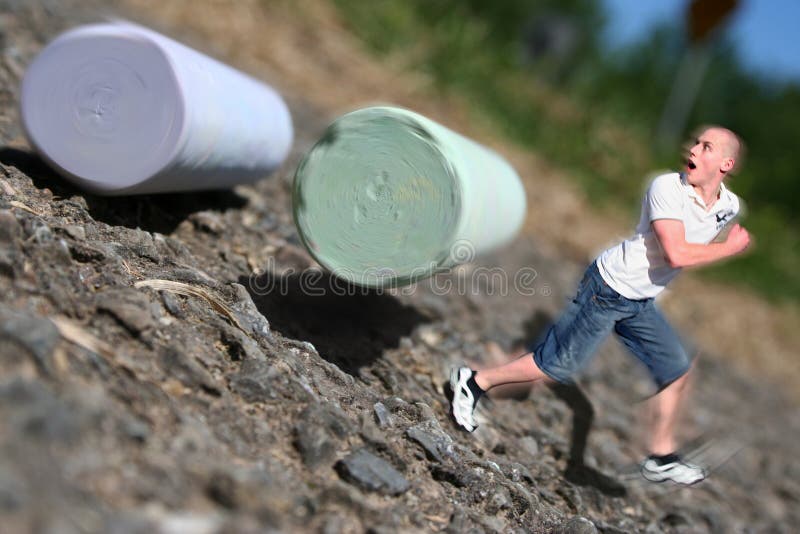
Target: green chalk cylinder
(387, 197)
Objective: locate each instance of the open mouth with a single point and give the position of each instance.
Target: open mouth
(690, 164)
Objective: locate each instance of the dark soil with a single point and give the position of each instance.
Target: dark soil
(130, 409)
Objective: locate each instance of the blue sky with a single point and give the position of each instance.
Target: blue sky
(767, 32)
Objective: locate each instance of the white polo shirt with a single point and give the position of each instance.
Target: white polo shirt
(637, 268)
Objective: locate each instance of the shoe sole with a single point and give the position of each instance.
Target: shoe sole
(668, 479)
(453, 384)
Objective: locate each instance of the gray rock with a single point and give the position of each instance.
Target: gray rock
(137, 243)
(75, 231)
(178, 248)
(494, 524)
(383, 416)
(13, 490)
(437, 444)
(372, 473)
(319, 432)
(517, 472)
(577, 525)
(10, 230)
(87, 252)
(128, 306)
(371, 433)
(240, 346)
(248, 314)
(500, 500)
(8, 259)
(425, 412)
(35, 335)
(38, 231)
(39, 414)
(260, 381)
(172, 304)
(208, 221)
(179, 363)
(135, 429)
(529, 445)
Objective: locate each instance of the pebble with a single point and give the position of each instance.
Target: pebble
(318, 432)
(129, 306)
(437, 444)
(577, 525)
(10, 230)
(37, 336)
(383, 416)
(372, 473)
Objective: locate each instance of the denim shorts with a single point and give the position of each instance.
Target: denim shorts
(595, 311)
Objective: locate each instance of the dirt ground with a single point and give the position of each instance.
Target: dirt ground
(128, 408)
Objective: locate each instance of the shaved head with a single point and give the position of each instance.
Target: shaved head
(730, 143)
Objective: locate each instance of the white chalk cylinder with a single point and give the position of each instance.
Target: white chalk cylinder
(388, 197)
(117, 109)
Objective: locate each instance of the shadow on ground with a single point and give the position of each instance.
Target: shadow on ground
(577, 472)
(350, 326)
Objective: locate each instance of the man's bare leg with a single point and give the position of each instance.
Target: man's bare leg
(666, 408)
(523, 369)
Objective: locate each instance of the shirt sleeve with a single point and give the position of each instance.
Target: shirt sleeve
(664, 199)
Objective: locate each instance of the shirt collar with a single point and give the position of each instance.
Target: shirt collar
(722, 196)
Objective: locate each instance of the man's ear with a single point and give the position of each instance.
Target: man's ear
(727, 164)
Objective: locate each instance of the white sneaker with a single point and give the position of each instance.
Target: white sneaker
(673, 468)
(463, 402)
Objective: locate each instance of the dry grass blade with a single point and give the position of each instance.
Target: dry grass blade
(193, 291)
(74, 333)
(20, 205)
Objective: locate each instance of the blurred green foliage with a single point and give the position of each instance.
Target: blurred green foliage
(594, 114)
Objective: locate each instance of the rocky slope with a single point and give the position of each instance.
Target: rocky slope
(239, 399)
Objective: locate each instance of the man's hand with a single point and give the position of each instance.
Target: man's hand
(738, 239)
(672, 238)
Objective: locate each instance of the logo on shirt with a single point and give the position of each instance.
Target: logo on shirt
(723, 217)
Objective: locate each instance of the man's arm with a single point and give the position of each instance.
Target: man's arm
(672, 238)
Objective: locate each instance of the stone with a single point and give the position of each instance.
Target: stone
(435, 442)
(172, 304)
(425, 412)
(371, 433)
(13, 490)
(529, 445)
(240, 346)
(261, 381)
(75, 231)
(517, 472)
(38, 231)
(10, 229)
(35, 335)
(135, 429)
(500, 500)
(128, 306)
(577, 525)
(88, 253)
(372, 473)
(179, 364)
(208, 221)
(248, 314)
(39, 414)
(383, 416)
(8, 259)
(320, 430)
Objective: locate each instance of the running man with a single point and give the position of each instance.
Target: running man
(682, 213)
